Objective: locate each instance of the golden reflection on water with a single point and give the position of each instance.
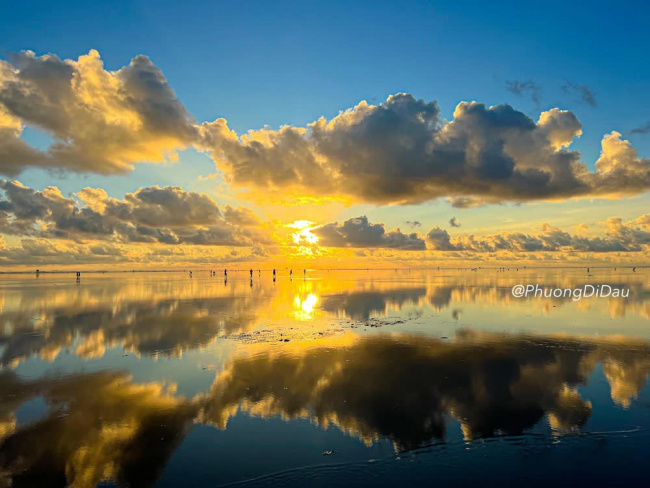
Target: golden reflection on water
(304, 307)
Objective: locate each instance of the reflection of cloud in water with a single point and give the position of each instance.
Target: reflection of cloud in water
(361, 305)
(401, 388)
(100, 427)
(164, 328)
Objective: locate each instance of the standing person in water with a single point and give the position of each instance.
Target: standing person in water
(251, 273)
(225, 273)
(290, 273)
(304, 272)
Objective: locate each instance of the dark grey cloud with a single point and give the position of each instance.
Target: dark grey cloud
(166, 215)
(413, 223)
(402, 152)
(359, 232)
(525, 88)
(642, 129)
(440, 240)
(582, 92)
(454, 222)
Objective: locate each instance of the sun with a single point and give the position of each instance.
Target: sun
(303, 234)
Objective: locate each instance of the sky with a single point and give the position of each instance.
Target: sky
(323, 133)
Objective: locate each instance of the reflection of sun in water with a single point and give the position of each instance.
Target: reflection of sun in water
(305, 308)
(303, 234)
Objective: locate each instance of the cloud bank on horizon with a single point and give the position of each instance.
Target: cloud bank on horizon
(91, 225)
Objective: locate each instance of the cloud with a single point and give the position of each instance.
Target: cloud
(402, 152)
(521, 88)
(100, 121)
(440, 240)
(41, 252)
(582, 92)
(631, 236)
(413, 223)
(65, 254)
(453, 222)
(358, 232)
(642, 129)
(168, 215)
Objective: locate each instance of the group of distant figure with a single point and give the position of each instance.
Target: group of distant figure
(304, 272)
(214, 273)
(259, 274)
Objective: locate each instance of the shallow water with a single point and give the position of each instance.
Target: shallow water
(349, 377)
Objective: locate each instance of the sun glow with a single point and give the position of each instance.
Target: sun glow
(304, 234)
(304, 309)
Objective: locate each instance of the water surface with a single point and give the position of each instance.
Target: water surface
(357, 378)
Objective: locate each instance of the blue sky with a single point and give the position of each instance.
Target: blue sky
(263, 63)
(289, 62)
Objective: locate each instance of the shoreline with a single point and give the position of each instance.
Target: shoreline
(246, 269)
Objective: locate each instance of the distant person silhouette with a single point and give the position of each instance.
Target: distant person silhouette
(251, 273)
